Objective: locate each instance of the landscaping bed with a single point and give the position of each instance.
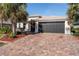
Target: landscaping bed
(8, 39)
(6, 35)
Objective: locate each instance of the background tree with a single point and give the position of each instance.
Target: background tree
(3, 15)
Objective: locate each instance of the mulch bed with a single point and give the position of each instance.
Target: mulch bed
(11, 39)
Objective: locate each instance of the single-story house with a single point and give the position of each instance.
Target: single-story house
(52, 24)
(37, 24)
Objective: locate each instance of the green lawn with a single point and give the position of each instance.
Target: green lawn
(1, 44)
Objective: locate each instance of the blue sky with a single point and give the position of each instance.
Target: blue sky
(47, 9)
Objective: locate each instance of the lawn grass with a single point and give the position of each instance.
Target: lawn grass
(1, 44)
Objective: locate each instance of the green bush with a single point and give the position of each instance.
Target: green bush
(12, 35)
(1, 35)
(5, 30)
(75, 31)
(76, 34)
(1, 31)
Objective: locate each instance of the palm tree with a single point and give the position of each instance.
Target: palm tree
(17, 13)
(3, 14)
(73, 7)
(73, 15)
(13, 11)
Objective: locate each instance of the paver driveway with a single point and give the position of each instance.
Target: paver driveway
(49, 44)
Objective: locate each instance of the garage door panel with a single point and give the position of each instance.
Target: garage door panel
(55, 27)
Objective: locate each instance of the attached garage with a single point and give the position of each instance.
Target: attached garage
(53, 27)
(50, 24)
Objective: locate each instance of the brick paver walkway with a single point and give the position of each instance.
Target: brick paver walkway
(43, 44)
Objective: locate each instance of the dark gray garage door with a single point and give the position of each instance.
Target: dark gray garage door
(54, 27)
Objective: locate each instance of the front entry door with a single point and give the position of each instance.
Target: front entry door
(32, 26)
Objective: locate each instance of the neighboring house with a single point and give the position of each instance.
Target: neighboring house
(52, 24)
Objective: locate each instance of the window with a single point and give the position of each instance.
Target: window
(20, 25)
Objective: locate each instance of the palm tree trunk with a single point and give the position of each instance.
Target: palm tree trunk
(14, 29)
(1, 23)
